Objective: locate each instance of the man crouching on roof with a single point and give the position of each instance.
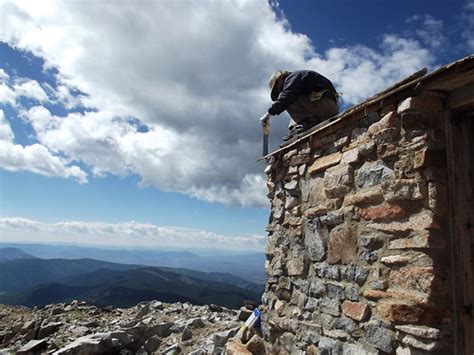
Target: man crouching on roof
(308, 97)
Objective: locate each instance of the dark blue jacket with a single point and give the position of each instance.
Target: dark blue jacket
(297, 83)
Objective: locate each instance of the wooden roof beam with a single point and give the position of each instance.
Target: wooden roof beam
(462, 99)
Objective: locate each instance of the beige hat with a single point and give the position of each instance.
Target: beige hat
(273, 80)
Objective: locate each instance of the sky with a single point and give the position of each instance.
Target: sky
(136, 122)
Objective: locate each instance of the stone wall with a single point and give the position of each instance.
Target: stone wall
(357, 254)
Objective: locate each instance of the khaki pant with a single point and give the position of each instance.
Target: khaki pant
(311, 109)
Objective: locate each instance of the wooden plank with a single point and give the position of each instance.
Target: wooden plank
(460, 149)
(462, 98)
(302, 136)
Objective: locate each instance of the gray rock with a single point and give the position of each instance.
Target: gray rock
(361, 275)
(357, 132)
(348, 272)
(345, 323)
(317, 288)
(424, 344)
(215, 308)
(324, 320)
(369, 256)
(379, 336)
(327, 271)
(70, 308)
(58, 310)
(372, 173)
(311, 304)
(48, 329)
(355, 273)
(334, 290)
(371, 241)
(94, 324)
(199, 351)
(196, 323)
(142, 332)
(178, 327)
(284, 282)
(79, 331)
(287, 341)
(316, 236)
(33, 346)
(15, 328)
(187, 334)
(332, 218)
(299, 298)
(219, 339)
(301, 284)
(276, 268)
(123, 337)
(330, 306)
(32, 333)
(292, 185)
(6, 336)
(353, 293)
(140, 351)
(366, 149)
(378, 284)
(357, 349)
(172, 350)
(99, 343)
(330, 346)
(157, 305)
(311, 337)
(291, 201)
(296, 266)
(146, 310)
(27, 326)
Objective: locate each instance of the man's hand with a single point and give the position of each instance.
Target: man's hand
(264, 119)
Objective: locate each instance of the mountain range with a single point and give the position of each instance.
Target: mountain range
(33, 281)
(14, 254)
(249, 266)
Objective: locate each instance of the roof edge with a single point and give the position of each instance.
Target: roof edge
(416, 81)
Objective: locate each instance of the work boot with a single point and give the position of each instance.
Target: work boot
(293, 131)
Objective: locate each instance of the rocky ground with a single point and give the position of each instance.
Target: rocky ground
(147, 328)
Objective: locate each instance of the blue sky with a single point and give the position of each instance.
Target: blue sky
(136, 123)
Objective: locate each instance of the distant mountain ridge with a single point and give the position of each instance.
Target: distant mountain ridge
(37, 282)
(248, 266)
(7, 254)
(20, 274)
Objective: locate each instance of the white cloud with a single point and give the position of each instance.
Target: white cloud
(122, 234)
(430, 30)
(361, 71)
(6, 133)
(198, 87)
(3, 76)
(37, 159)
(7, 95)
(467, 18)
(30, 89)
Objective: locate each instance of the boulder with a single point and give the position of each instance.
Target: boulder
(98, 343)
(48, 329)
(152, 344)
(33, 346)
(187, 334)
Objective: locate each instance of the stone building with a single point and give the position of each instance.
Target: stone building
(370, 246)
